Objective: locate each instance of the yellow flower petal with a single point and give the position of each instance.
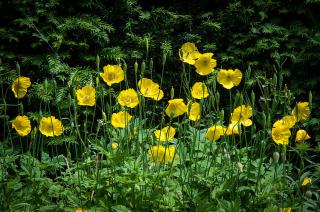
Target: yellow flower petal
(120, 119)
(195, 111)
(281, 135)
(175, 108)
(215, 132)
(112, 74)
(50, 126)
(301, 111)
(306, 181)
(189, 53)
(162, 155)
(86, 96)
(205, 64)
(242, 115)
(199, 90)
(22, 125)
(20, 86)
(150, 89)
(165, 134)
(229, 78)
(128, 98)
(302, 135)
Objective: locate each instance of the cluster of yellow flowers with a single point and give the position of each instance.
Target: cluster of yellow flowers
(281, 128)
(49, 126)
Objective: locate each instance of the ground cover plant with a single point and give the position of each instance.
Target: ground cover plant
(161, 122)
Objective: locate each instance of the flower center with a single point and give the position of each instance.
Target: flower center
(112, 76)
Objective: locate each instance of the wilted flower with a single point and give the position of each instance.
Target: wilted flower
(120, 119)
(163, 155)
(194, 111)
(176, 108)
(301, 111)
(165, 134)
(50, 126)
(22, 125)
(302, 135)
(242, 115)
(150, 89)
(20, 86)
(86, 96)
(199, 90)
(128, 98)
(112, 74)
(229, 78)
(306, 181)
(189, 53)
(205, 64)
(215, 132)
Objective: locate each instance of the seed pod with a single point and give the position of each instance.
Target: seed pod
(136, 66)
(276, 157)
(172, 92)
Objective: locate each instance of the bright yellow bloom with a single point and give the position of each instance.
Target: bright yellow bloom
(81, 210)
(199, 90)
(162, 155)
(112, 74)
(242, 115)
(150, 89)
(195, 111)
(20, 86)
(120, 119)
(189, 53)
(229, 78)
(128, 98)
(286, 121)
(22, 125)
(205, 64)
(232, 129)
(165, 134)
(301, 111)
(306, 181)
(215, 132)
(114, 146)
(302, 135)
(285, 210)
(50, 126)
(281, 134)
(86, 96)
(176, 108)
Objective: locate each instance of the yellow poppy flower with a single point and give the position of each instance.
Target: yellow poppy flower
(86, 96)
(199, 90)
(162, 155)
(301, 111)
(120, 119)
(150, 89)
(306, 181)
(229, 78)
(205, 64)
(20, 86)
(215, 132)
(232, 129)
(189, 53)
(195, 111)
(114, 146)
(281, 134)
(165, 134)
(112, 74)
(22, 125)
(50, 126)
(285, 210)
(286, 121)
(128, 98)
(302, 135)
(242, 115)
(176, 108)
